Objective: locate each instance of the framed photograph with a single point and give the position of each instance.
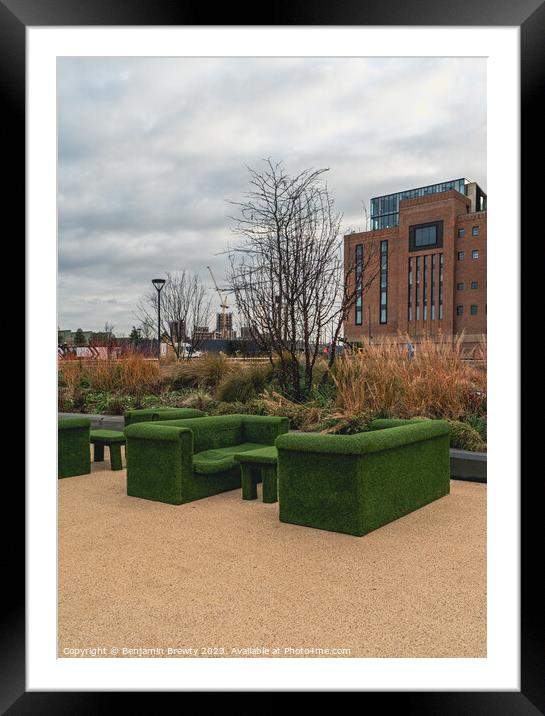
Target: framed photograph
(279, 478)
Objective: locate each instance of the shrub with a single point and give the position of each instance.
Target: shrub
(132, 375)
(478, 423)
(302, 416)
(437, 382)
(342, 425)
(223, 408)
(71, 375)
(199, 399)
(464, 437)
(244, 384)
(205, 372)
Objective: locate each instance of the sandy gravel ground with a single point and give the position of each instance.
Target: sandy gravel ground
(223, 577)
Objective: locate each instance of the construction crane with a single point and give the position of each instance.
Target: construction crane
(223, 305)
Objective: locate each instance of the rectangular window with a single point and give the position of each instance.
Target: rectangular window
(417, 288)
(423, 235)
(459, 286)
(475, 254)
(410, 292)
(474, 231)
(461, 232)
(460, 255)
(359, 285)
(441, 262)
(474, 284)
(425, 288)
(473, 310)
(432, 292)
(459, 310)
(383, 281)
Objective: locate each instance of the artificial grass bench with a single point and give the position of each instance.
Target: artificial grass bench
(259, 466)
(113, 439)
(152, 414)
(356, 483)
(74, 455)
(181, 461)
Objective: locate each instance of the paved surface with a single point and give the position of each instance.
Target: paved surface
(223, 573)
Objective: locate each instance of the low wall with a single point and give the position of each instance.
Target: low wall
(104, 422)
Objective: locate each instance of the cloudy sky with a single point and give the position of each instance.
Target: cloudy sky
(152, 149)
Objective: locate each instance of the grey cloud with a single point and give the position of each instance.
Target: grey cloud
(151, 150)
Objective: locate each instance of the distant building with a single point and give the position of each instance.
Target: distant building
(246, 333)
(224, 326)
(429, 254)
(203, 333)
(177, 331)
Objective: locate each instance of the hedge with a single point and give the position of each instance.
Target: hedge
(357, 483)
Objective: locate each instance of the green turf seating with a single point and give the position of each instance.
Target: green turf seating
(113, 439)
(181, 461)
(259, 466)
(74, 454)
(356, 483)
(151, 414)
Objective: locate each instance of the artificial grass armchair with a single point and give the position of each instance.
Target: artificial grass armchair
(181, 461)
(74, 450)
(151, 414)
(356, 483)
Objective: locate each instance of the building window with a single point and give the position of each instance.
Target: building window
(385, 209)
(423, 235)
(474, 284)
(461, 233)
(410, 293)
(417, 289)
(460, 255)
(473, 310)
(432, 292)
(475, 254)
(459, 286)
(459, 310)
(474, 231)
(441, 262)
(359, 285)
(383, 282)
(425, 288)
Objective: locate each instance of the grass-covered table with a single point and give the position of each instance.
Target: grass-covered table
(256, 463)
(114, 440)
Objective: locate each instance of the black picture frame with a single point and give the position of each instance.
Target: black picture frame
(15, 17)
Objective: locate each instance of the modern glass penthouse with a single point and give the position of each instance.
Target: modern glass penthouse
(385, 209)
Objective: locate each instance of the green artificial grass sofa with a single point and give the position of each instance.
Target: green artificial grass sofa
(356, 483)
(74, 450)
(181, 461)
(151, 414)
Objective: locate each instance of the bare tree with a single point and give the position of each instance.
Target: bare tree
(184, 306)
(287, 272)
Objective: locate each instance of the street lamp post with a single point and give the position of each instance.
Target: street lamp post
(158, 283)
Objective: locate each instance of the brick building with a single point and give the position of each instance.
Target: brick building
(427, 251)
